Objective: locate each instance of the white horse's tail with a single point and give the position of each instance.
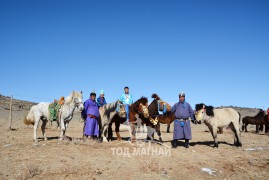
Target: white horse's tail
(30, 119)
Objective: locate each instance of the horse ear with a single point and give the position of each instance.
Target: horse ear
(81, 92)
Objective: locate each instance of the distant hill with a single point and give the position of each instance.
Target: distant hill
(16, 104)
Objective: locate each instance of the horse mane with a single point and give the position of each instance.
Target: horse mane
(110, 106)
(260, 113)
(69, 98)
(155, 96)
(209, 110)
(200, 106)
(143, 100)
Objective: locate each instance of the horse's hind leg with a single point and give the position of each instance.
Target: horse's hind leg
(43, 127)
(236, 132)
(246, 124)
(37, 118)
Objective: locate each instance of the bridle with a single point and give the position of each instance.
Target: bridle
(77, 102)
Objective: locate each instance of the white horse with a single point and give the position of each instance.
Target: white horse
(219, 118)
(107, 112)
(41, 112)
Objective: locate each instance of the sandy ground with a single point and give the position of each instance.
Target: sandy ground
(52, 159)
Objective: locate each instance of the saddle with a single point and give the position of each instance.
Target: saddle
(163, 107)
(54, 109)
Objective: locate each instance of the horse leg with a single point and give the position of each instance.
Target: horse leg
(117, 129)
(214, 132)
(62, 130)
(246, 124)
(104, 135)
(132, 131)
(243, 127)
(168, 128)
(37, 119)
(257, 128)
(236, 132)
(110, 132)
(261, 127)
(158, 129)
(43, 127)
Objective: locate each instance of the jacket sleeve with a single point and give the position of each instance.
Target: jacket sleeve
(131, 99)
(122, 99)
(174, 107)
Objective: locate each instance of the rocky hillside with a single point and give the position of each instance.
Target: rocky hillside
(16, 104)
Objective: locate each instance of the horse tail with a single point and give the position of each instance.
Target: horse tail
(30, 118)
(155, 96)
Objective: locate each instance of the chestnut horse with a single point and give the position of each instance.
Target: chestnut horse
(137, 110)
(153, 121)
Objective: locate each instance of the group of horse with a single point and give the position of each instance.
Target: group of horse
(140, 113)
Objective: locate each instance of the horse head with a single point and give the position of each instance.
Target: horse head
(141, 106)
(153, 107)
(203, 112)
(121, 109)
(78, 99)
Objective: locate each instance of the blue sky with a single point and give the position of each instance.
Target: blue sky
(217, 52)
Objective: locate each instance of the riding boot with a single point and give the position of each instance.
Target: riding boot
(174, 143)
(186, 143)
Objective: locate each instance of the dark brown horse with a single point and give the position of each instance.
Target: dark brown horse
(155, 118)
(258, 120)
(137, 109)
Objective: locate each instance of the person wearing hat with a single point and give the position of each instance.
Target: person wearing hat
(101, 99)
(127, 99)
(182, 126)
(91, 120)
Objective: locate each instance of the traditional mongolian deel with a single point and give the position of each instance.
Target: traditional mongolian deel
(182, 126)
(91, 123)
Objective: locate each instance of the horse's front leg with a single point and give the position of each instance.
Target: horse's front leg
(117, 129)
(104, 134)
(257, 128)
(62, 130)
(132, 127)
(43, 127)
(158, 129)
(214, 131)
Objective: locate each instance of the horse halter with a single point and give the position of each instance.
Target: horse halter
(77, 102)
(144, 108)
(119, 109)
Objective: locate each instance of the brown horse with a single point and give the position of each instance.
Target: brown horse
(137, 109)
(258, 120)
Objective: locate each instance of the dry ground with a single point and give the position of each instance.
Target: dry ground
(23, 159)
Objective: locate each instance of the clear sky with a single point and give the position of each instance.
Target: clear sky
(216, 51)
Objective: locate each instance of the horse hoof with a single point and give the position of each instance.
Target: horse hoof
(239, 144)
(216, 146)
(119, 139)
(105, 140)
